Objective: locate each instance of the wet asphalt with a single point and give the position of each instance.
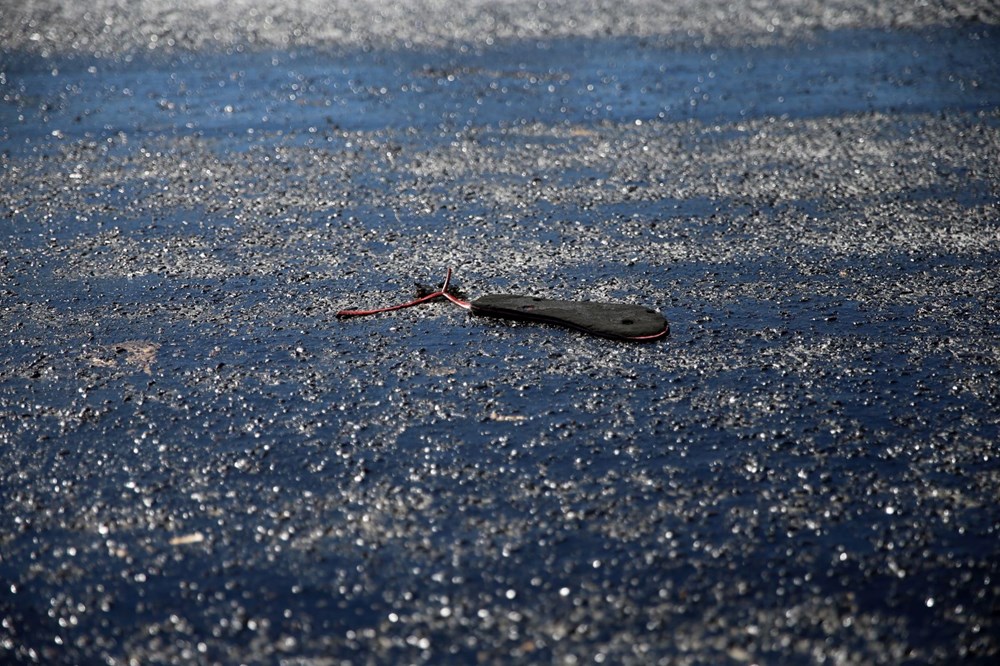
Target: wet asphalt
(202, 464)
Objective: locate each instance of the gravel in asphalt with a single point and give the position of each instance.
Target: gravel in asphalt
(203, 464)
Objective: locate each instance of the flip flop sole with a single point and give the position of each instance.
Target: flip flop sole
(618, 321)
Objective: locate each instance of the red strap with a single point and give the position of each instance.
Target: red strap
(443, 292)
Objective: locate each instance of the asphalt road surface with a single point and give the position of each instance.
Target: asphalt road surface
(200, 463)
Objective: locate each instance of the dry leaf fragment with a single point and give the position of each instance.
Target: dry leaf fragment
(183, 540)
(136, 353)
(494, 416)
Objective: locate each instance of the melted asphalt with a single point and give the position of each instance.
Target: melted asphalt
(201, 463)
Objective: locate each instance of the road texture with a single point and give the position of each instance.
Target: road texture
(202, 464)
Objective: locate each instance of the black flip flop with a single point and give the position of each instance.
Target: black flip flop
(618, 321)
